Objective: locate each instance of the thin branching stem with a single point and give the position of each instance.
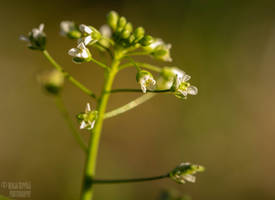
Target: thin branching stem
(142, 65)
(67, 75)
(129, 106)
(134, 180)
(138, 53)
(137, 90)
(101, 64)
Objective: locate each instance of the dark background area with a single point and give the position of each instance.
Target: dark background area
(227, 47)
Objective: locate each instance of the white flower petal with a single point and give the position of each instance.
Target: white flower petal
(92, 124)
(41, 27)
(24, 38)
(82, 125)
(66, 26)
(85, 29)
(81, 46)
(177, 71)
(73, 52)
(192, 90)
(186, 78)
(87, 40)
(190, 178)
(88, 108)
(85, 53)
(156, 43)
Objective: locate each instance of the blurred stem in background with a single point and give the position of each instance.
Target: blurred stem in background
(65, 114)
(67, 75)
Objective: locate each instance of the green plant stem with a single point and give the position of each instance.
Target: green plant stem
(65, 114)
(138, 90)
(99, 63)
(134, 180)
(138, 53)
(130, 105)
(90, 166)
(67, 75)
(143, 65)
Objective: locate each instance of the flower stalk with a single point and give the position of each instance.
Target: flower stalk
(67, 75)
(90, 166)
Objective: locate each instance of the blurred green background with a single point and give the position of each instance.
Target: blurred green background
(227, 46)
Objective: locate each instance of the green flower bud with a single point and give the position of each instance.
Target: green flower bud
(146, 40)
(70, 30)
(131, 39)
(112, 19)
(127, 31)
(36, 38)
(185, 172)
(139, 33)
(146, 80)
(52, 81)
(121, 24)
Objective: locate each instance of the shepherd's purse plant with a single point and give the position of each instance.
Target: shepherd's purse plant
(122, 42)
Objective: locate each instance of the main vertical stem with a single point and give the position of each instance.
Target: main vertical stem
(90, 167)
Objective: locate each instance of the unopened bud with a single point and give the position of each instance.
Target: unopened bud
(127, 30)
(146, 40)
(139, 33)
(52, 81)
(121, 24)
(112, 19)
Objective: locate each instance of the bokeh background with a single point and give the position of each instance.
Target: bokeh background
(227, 46)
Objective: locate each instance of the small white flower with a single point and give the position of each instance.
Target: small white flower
(182, 88)
(80, 54)
(36, 38)
(160, 50)
(85, 29)
(88, 118)
(91, 35)
(106, 31)
(37, 32)
(66, 27)
(168, 74)
(146, 80)
(156, 43)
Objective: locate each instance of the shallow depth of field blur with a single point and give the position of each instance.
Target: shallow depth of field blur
(228, 47)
